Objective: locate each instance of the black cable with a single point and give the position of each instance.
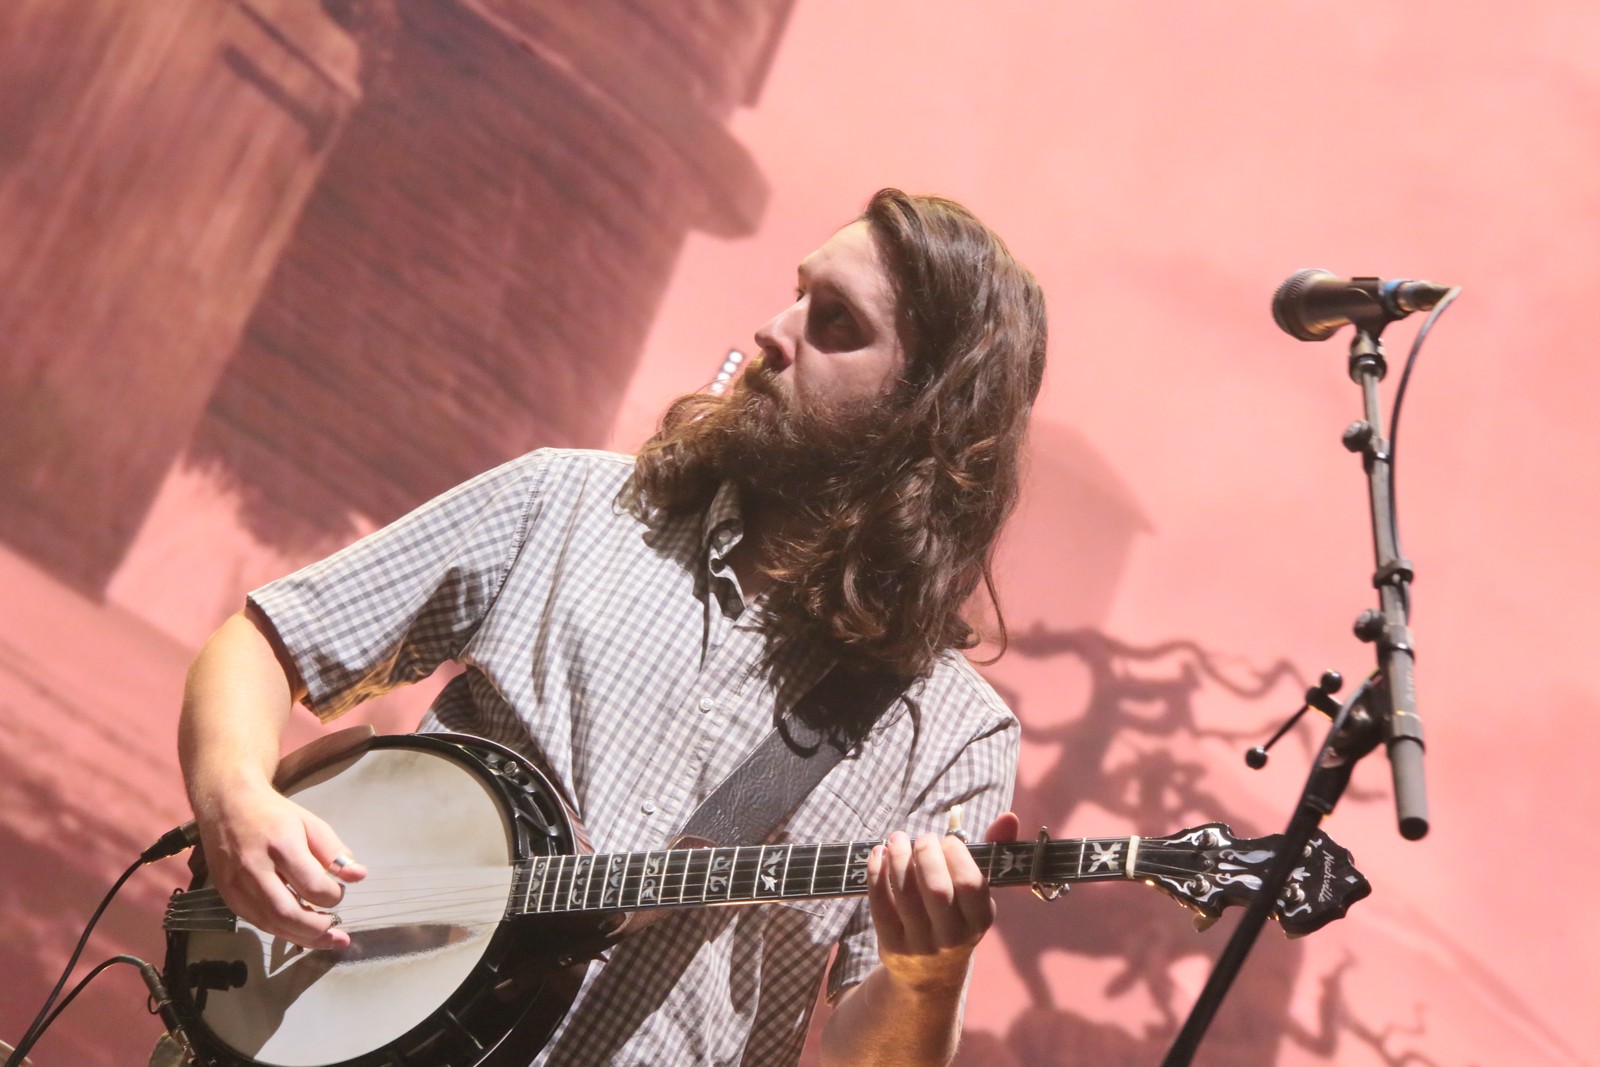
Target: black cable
(1400, 391)
(39, 1021)
(1394, 425)
(133, 961)
(170, 843)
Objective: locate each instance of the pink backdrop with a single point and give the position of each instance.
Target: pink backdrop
(1194, 540)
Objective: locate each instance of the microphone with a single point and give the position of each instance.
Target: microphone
(1312, 304)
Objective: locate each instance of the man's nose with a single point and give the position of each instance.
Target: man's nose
(777, 337)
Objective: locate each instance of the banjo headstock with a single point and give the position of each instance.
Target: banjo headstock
(1207, 869)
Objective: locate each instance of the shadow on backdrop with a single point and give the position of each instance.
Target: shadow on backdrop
(1140, 692)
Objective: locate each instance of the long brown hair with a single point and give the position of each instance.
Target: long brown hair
(898, 526)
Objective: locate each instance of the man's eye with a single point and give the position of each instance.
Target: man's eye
(832, 315)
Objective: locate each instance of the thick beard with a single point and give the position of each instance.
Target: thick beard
(798, 459)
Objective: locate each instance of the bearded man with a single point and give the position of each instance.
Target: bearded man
(635, 626)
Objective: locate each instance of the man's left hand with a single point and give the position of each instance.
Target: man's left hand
(930, 905)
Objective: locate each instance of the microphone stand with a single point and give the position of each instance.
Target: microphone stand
(1388, 629)
(1382, 708)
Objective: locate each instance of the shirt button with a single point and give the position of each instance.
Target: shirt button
(648, 808)
(706, 704)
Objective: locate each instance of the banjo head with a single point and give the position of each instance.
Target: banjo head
(441, 824)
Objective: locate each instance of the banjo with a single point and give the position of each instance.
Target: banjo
(484, 904)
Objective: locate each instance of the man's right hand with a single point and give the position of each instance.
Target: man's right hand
(273, 860)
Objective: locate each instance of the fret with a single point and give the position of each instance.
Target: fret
(747, 874)
(698, 871)
(744, 874)
(676, 859)
(536, 896)
(652, 872)
(1059, 863)
(563, 864)
(764, 874)
(562, 898)
(1080, 859)
(827, 857)
(1014, 859)
(783, 880)
(988, 867)
(733, 873)
(544, 883)
(816, 862)
(555, 883)
(769, 874)
(533, 895)
(594, 883)
(699, 861)
(611, 883)
(628, 879)
(800, 872)
(708, 879)
(592, 892)
(854, 876)
(575, 896)
(1107, 859)
(719, 873)
(686, 856)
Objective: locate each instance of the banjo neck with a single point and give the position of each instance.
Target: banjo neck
(1205, 868)
(754, 874)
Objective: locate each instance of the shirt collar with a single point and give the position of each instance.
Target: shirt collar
(724, 521)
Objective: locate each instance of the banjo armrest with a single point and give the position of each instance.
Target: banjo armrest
(327, 749)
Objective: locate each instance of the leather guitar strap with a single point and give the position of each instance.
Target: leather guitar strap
(764, 790)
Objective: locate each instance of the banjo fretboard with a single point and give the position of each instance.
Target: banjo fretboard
(752, 874)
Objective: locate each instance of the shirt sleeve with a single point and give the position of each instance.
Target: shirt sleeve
(981, 778)
(387, 610)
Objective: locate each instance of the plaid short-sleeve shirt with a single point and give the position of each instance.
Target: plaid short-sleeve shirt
(622, 658)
